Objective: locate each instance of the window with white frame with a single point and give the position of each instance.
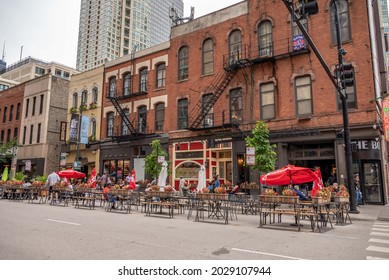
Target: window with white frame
(267, 99)
(303, 90)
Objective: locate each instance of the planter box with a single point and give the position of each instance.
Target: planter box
(159, 194)
(341, 199)
(319, 200)
(269, 198)
(204, 195)
(289, 199)
(220, 196)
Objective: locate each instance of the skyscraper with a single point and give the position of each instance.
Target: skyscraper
(385, 23)
(112, 28)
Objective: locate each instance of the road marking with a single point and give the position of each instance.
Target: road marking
(380, 229)
(378, 249)
(63, 222)
(381, 225)
(380, 234)
(375, 258)
(385, 241)
(263, 253)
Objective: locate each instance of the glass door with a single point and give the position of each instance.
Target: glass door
(371, 184)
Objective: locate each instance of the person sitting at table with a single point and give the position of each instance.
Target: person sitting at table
(210, 186)
(301, 195)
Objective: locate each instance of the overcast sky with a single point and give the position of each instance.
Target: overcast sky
(48, 29)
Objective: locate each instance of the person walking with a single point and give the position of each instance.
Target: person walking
(51, 180)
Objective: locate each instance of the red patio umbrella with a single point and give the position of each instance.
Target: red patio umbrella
(288, 174)
(70, 173)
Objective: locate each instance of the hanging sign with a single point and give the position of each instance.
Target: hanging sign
(385, 109)
(250, 155)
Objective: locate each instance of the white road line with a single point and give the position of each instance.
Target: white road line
(385, 241)
(380, 229)
(375, 258)
(63, 222)
(380, 234)
(380, 225)
(378, 249)
(263, 253)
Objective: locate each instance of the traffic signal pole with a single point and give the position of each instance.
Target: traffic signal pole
(341, 92)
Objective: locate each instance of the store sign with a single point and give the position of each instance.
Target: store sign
(62, 132)
(62, 161)
(77, 165)
(73, 137)
(385, 109)
(250, 156)
(366, 145)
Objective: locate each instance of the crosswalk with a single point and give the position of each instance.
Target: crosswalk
(378, 248)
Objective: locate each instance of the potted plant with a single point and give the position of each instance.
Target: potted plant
(83, 107)
(93, 105)
(342, 195)
(73, 110)
(269, 195)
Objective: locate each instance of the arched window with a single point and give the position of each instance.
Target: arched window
(183, 60)
(236, 106)
(207, 57)
(112, 87)
(18, 111)
(142, 119)
(126, 84)
(11, 113)
(124, 126)
(161, 75)
(208, 118)
(5, 114)
(75, 100)
(95, 94)
(143, 80)
(182, 121)
(265, 39)
(110, 124)
(235, 46)
(159, 116)
(344, 19)
(93, 128)
(84, 97)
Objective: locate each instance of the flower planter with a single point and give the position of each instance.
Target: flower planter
(289, 199)
(204, 195)
(159, 194)
(269, 198)
(220, 196)
(319, 200)
(341, 199)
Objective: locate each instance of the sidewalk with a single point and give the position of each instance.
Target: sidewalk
(372, 212)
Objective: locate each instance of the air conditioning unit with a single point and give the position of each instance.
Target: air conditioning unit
(208, 122)
(265, 53)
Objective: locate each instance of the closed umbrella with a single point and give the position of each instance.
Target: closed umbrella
(202, 180)
(4, 177)
(288, 174)
(162, 175)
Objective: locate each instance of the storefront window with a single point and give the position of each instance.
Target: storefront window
(188, 170)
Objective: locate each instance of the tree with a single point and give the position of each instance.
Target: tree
(6, 150)
(265, 155)
(152, 167)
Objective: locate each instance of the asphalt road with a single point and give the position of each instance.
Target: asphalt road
(44, 232)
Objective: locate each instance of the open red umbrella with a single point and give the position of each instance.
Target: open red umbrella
(288, 174)
(70, 173)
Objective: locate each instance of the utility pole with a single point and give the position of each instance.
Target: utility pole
(77, 163)
(308, 7)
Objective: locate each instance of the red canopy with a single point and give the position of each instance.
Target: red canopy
(288, 174)
(70, 173)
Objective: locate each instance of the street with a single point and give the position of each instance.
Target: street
(44, 232)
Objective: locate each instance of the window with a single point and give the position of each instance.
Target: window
(18, 111)
(95, 94)
(124, 125)
(344, 21)
(16, 131)
(112, 87)
(208, 118)
(110, 122)
(265, 39)
(38, 134)
(126, 84)
(31, 133)
(298, 39)
(159, 116)
(39, 71)
(143, 81)
(41, 105)
(5, 114)
(208, 57)
(33, 105)
(267, 99)
(93, 127)
(182, 113)
(11, 113)
(161, 75)
(303, 96)
(24, 135)
(8, 135)
(75, 100)
(84, 97)
(2, 137)
(142, 119)
(183, 59)
(235, 46)
(236, 106)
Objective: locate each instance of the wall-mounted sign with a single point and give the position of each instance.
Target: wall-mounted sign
(62, 131)
(385, 109)
(250, 155)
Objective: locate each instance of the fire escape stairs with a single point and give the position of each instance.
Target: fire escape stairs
(121, 112)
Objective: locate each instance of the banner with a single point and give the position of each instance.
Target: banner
(62, 132)
(385, 109)
(73, 137)
(250, 155)
(84, 130)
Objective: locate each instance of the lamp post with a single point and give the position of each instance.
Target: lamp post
(77, 163)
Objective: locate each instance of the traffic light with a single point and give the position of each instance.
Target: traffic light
(308, 7)
(346, 75)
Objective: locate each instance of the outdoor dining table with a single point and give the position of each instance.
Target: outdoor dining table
(158, 201)
(120, 200)
(212, 206)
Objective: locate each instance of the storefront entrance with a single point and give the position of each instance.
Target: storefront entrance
(371, 184)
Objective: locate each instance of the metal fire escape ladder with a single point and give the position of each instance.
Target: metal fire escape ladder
(217, 87)
(121, 112)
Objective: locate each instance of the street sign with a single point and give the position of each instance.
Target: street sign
(250, 155)
(77, 165)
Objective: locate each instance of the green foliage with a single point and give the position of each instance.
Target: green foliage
(152, 167)
(41, 178)
(19, 176)
(6, 150)
(265, 155)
